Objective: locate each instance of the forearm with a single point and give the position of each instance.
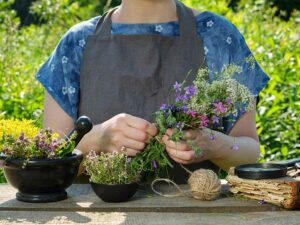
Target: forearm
(225, 157)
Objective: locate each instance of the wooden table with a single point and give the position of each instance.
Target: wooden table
(84, 207)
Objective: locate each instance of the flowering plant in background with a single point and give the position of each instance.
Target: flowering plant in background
(110, 168)
(21, 139)
(196, 106)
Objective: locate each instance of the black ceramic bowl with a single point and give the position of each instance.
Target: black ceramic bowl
(42, 180)
(115, 192)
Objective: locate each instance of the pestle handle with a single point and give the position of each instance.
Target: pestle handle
(83, 125)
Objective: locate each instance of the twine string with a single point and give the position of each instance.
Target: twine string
(180, 191)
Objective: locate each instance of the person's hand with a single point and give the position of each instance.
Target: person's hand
(182, 152)
(124, 133)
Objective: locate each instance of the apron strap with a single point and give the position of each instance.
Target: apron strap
(103, 27)
(186, 21)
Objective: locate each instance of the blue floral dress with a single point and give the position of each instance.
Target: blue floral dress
(223, 45)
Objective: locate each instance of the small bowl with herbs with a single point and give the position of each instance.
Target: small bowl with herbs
(112, 176)
(36, 162)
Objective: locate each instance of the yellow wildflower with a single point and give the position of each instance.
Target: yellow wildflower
(16, 127)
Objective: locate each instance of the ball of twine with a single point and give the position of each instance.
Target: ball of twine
(204, 184)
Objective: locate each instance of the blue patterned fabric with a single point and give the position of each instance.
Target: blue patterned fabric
(223, 44)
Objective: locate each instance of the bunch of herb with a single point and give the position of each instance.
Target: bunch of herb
(110, 168)
(32, 143)
(202, 104)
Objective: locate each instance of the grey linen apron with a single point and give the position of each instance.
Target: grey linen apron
(133, 74)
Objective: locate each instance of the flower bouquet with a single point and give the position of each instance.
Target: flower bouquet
(36, 162)
(111, 175)
(203, 104)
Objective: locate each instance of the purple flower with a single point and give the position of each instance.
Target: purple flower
(154, 164)
(172, 107)
(261, 202)
(177, 86)
(229, 100)
(235, 147)
(170, 125)
(179, 125)
(219, 107)
(185, 109)
(163, 107)
(182, 98)
(215, 119)
(21, 137)
(212, 137)
(190, 91)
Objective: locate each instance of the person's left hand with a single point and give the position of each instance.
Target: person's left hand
(182, 152)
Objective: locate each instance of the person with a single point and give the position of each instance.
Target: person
(118, 68)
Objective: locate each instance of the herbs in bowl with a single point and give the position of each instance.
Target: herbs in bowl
(36, 162)
(112, 176)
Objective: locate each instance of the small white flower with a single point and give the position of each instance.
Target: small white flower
(64, 90)
(270, 55)
(64, 60)
(229, 40)
(159, 28)
(205, 50)
(37, 75)
(82, 43)
(209, 23)
(52, 68)
(71, 90)
(260, 49)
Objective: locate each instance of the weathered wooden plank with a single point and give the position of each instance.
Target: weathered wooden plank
(82, 198)
(136, 218)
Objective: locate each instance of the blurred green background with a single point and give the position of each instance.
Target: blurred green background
(30, 30)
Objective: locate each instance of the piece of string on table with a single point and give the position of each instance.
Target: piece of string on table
(180, 191)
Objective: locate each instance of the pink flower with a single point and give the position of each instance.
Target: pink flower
(193, 113)
(219, 107)
(204, 121)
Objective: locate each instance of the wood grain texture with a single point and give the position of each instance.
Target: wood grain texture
(82, 199)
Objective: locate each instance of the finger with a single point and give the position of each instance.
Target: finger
(183, 155)
(181, 146)
(141, 124)
(178, 160)
(136, 134)
(130, 152)
(152, 130)
(190, 134)
(133, 144)
(169, 132)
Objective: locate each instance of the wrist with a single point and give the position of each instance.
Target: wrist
(218, 143)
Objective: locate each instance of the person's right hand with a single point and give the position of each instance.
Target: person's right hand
(122, 130)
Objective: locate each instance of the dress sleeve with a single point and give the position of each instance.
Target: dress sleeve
(250, 73)
(60, 73)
